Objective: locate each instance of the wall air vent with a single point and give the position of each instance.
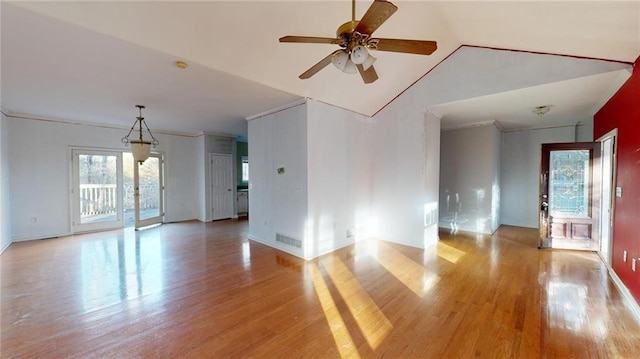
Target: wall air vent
(288, 240)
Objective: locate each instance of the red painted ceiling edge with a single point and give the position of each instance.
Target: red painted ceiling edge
(637, 62)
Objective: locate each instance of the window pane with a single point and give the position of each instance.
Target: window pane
(149, 182)
(245, 171)
(98, 188)
(568, 183)
(128, 189)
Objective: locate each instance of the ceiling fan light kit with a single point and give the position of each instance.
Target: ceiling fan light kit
(340, 59)
(359, 54)
(355, 41)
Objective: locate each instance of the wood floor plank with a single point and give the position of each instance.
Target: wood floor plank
(194, 290)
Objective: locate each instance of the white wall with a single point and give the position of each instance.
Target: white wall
(5, 211)
(180, 183)
(39, 167)
(405, 170)
(584, 130)
(496, 189)
(339, 166)
(278, 202)
(469, 179)
(201, 181)
(432, 179)
(520, 172)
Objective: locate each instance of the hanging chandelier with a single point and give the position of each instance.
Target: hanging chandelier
(140, 147)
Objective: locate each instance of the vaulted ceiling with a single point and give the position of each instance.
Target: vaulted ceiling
(93, 61)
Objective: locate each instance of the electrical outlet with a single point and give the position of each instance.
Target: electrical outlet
(624, 256)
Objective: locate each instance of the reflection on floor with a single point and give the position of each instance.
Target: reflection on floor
(203, 290)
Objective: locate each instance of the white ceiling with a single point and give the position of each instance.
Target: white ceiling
(93, 61)
(570, 101)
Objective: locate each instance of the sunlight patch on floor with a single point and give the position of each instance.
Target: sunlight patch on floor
(449, 253)
(373, 324)
(339, 330)
(411, 274)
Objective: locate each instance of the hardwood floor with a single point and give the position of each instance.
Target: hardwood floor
(193, 290)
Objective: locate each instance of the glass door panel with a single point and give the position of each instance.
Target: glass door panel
(129, 190)
(97, 190)
(569, 183)
(149, 190)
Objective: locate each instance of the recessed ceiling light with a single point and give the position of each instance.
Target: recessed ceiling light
(181, 64)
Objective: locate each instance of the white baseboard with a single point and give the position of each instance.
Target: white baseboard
(627, 297)
(5, 247)
(39, 237)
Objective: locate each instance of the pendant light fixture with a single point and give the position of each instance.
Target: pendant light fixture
(140, 147)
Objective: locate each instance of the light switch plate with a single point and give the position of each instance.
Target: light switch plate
(619, 192)
(624, 256)
(633, 264)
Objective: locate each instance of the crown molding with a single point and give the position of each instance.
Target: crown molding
(24, 116)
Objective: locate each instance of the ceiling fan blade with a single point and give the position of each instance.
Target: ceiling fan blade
(369, 75)
(317, 67)
(309, 39)
(377, 14)
(407, 46)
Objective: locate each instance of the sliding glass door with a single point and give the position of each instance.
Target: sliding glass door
(111, 190)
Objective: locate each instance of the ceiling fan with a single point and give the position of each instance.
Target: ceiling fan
(354, 39)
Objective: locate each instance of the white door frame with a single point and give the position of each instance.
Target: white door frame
(606, 225)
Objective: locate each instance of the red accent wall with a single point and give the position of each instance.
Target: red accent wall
(623, 112)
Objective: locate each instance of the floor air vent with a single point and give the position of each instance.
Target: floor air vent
(288, 240)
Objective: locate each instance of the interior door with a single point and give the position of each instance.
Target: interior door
(221, 186)
(570, 196)
(149, 191)
(97, 190)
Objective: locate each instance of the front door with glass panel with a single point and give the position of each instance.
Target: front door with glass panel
(97, 190)
(569, 200)
(143, 191)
